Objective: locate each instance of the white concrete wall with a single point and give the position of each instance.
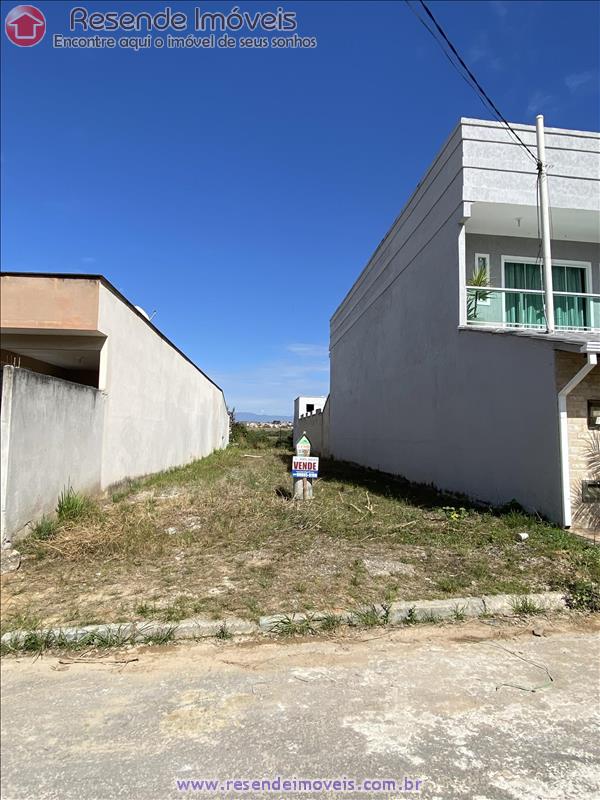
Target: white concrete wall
(436, 201)
(316, 427)
(390, 365)
(51, 438)
(498, 170)
(467, 411)
(161, 411)
(505, 436)
(301, 403)
(413, 395)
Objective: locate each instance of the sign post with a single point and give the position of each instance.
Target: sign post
(304, 469)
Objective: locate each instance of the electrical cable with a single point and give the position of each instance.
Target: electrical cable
(469, 78)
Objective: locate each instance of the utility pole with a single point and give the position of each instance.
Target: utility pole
(545, 215)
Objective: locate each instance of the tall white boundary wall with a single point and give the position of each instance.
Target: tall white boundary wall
(51, 439)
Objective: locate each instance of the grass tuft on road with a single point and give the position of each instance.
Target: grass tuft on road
(222, 537)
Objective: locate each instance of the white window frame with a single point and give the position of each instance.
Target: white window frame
(488, 272)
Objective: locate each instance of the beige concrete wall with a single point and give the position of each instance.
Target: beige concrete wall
(161, 411)
(154, 410)
(36, 302)
(583, 442)
(51, 438)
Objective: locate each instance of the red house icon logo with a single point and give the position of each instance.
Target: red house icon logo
(25, 26)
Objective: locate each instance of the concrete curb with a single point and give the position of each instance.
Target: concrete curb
(426, 610)
(401, 613)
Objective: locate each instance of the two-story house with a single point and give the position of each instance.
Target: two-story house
(442, 369)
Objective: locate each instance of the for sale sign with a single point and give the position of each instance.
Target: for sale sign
(303, 446)
(305, 467)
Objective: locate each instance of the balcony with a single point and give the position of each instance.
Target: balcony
(495, 307)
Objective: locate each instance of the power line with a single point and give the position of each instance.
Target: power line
(432, 33)
(478, 87)
(469, 78)
(467, 75)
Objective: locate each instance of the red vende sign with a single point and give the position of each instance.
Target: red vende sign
(25, 26)
(305, 466)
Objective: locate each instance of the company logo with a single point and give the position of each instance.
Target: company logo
(25, 26)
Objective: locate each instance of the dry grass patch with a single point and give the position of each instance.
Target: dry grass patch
(222, 536)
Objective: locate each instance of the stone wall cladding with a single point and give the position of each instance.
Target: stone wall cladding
(581, 438)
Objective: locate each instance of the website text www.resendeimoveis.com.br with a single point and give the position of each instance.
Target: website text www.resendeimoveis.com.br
(299, 785)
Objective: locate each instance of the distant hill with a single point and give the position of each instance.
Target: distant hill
(248, 416)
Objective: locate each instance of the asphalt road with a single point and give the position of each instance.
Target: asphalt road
(448, 706)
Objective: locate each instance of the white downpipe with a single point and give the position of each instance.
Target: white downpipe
(8, 381)
(462, 275)
(545, 215)
(564, 435)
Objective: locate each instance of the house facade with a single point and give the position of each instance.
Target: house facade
(92, 394)
(441, 367)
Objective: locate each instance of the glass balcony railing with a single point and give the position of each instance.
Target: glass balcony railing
(494, 307)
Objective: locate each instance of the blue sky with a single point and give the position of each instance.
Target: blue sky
(239, 193)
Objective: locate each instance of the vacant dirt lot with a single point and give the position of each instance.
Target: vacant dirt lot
(222, 536)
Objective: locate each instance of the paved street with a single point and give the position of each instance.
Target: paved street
(446, 706)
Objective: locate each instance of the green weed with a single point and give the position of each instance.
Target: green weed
(454, 513)
(71, 505)
(176, 611)
(44, 529)
(146, 610)
(39, 641)
(159, 637)
(330, 622)
(223, 632)
(25, 620)
(124, 488)
(289, 625)
(370, 616)
(411, 616)
(525, 606)
(452, 585)
(583, 595)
